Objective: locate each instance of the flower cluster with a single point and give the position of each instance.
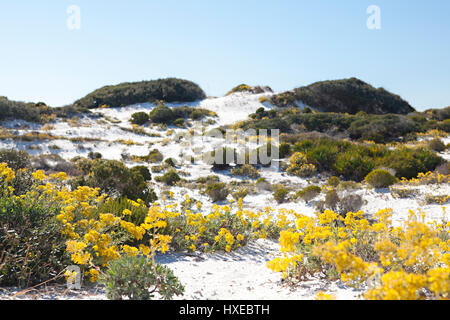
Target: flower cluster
(409, 261)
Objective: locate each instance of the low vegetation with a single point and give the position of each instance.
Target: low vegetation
(125, 94)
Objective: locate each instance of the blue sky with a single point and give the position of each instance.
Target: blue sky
(220, 44)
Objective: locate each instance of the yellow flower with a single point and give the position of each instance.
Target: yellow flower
(127, 212)
(39, 175)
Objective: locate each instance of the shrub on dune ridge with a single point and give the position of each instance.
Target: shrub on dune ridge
(125, 94)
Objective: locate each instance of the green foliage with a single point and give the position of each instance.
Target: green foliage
(143, 171)
(284, 149)
(240, 194)
(162, 114)
(245, 170)
(347, 95)
(436, 145)
(308, 193)
(139, 118)
(169, 178)
(355, 161)
(362, 126)
(240, 88)
(221, 158)
(280, 193)
(116, 180)
(153, 156)
(333, 181)
(383, 128)
(138, 278)
(170, 162)
(380, 178)
(94, 155)
(32, 249)
(34, 112)
(125, 94)
(408, 163)
(217, 191)
(15, 159)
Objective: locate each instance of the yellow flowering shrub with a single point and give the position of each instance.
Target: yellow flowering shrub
(410, 261)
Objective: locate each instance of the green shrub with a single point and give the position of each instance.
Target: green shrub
(333, 181)
(346, 95)
(169, 178)
(280, 193)
(125, 94)
(179, 122)
(309, 193)
(217, 191)
(139, 118)
(138, 278)
(353, 166)
(331, 199)
(221, 161)
(263, 184)
(246, 170)
(408, 163)
(162, 114)
(143, 171)
(240, 194)
(153, 156)
(32, 248)
(285, 150)
(436, 145)
(380, 179)
(170, 162)
(22, 182)
(94, 155)
(240, 88)
(15, 159)
(116, 180)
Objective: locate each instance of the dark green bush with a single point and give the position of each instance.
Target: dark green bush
(221, 158)
(309, 193)
(137, 278)
(280, 193)
(15, 159)
(143, 171)
(245, 170)
(436, 145)
(162, 114)
(217, 191)
(333, 181)
(285, 150)
(169, 178)
(347, 95)
(408, 163)
(139, 118)
(355, 161)
(380, 179)
(32, 248)
(116, 180)
(125, 94)
(170, 162)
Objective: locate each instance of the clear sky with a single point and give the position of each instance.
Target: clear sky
(220, 44)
